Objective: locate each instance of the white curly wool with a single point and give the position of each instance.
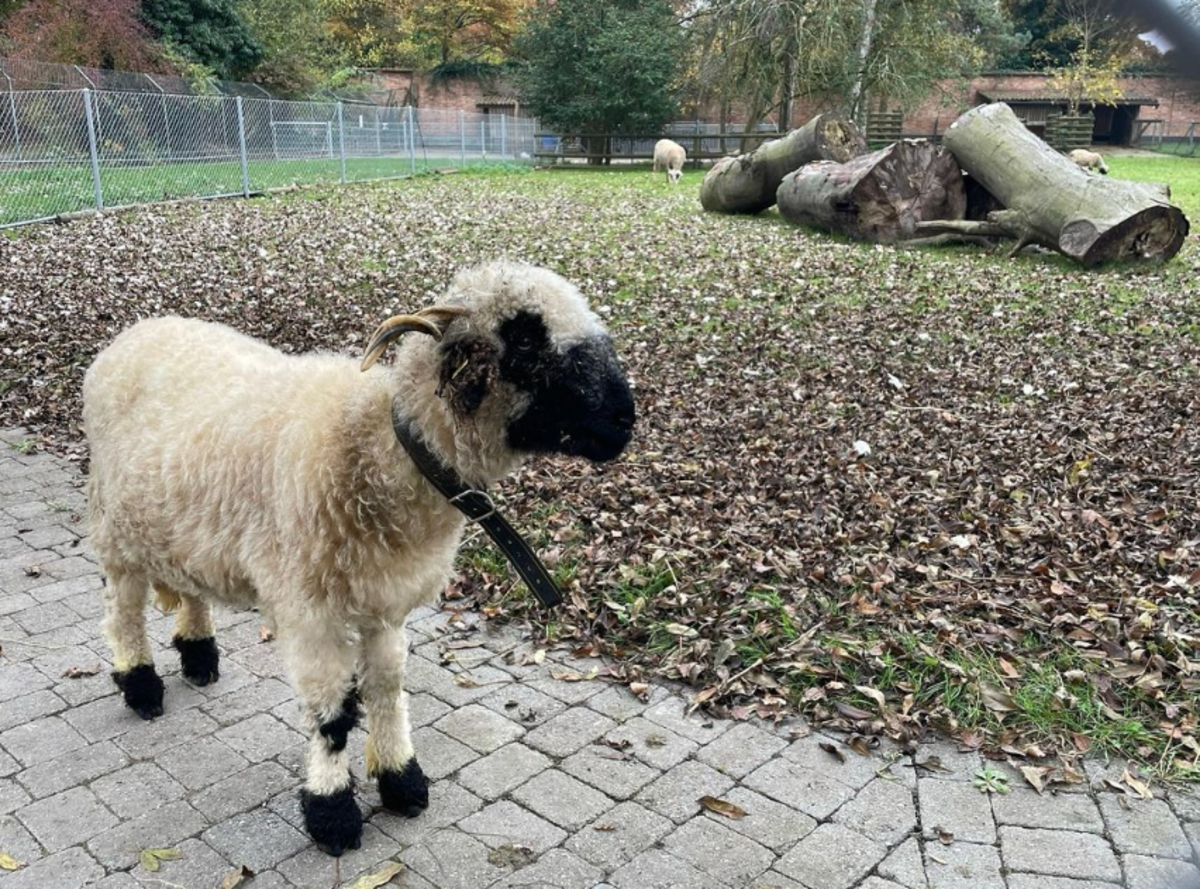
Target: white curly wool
(670, 157)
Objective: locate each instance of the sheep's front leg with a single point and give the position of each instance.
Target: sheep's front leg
(194, 639)
(321, 656)
(125, 628)
(403, 787)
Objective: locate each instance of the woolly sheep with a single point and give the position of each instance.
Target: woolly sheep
(225, 471)
(671, 157)
(1089, 160)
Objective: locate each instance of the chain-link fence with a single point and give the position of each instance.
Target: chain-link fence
(63, 151)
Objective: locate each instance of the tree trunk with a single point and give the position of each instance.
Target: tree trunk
(747, 183)
(877, 197)
(864, 52)
(1048, 200)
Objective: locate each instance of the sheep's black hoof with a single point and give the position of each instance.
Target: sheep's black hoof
(199, 659)
(338, 729)
(334, 821)
(143, 690)
(405, 792)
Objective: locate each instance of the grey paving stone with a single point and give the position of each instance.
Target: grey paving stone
(611, 771)
(618, 835)
(741, 750)
(162, 828)
(1062, 811)
(14, 602)
(18, 842)
(440, 755)
(259, 738)
(119, 880)
(1038, 881)
(1144, 872)
(879, 883)
(1186, 803)
(955, 763)
(8, 765)
(200, 866)
(675, 794)
(478, 727)
(655, 869)
(243, 790)
(883, 811)
(854, 771)
(421, 675)
(259, 839)
(905, 865)
(85, 689)
(312, 867)
(200, 764)
(568, 692)
(27, 708)
(619, 703)
(773, 824)
(773, 880)
(1061, 853)
(448, 804)
(71, 586)
(713, 848)
(425, 709)
(804, 789)
(506, 822)
(957, 807)
(70, 869)
(103, 719)
(671, 713)
(831, 857)
(1193, 834)
(43, 618)
(159, 735)
(557, 869)
(139, 788)
(652, 743)
(569, 731)
(562, 800)
(1144, 827)
(66, 819)
(17, 680)
(261, 661)
(499, 772)
(452, 860)
(12, 796)
(963, 866)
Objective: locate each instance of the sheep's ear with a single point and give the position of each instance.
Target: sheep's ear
(468, 368)
(432, 321)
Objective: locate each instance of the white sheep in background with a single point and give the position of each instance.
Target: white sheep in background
(225, 471)
(669, 156)
(1089, 160)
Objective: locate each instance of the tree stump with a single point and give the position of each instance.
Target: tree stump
(880, 196)
(747, 183)
(1048, 200)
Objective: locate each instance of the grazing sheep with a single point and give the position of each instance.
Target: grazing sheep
(1089, 160)
(225, 471)
(671, 157)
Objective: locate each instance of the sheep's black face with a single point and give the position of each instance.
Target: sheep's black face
(580, 403)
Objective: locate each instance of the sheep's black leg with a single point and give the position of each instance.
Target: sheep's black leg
(403, 787)
(125, 629)
(195, 641)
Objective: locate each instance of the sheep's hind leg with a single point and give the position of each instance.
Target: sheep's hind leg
(125, 629)
(321, 660)
(194, 637)
(403, 787)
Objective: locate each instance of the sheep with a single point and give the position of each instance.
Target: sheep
(671, 157)
(1089, 160)
(225, 471)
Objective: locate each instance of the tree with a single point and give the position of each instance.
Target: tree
(476, 30)
(297, 50)
(1100, 52)
(95, 33)
(206, 31)
(597, 67)
(1054, 35)
(373, 33)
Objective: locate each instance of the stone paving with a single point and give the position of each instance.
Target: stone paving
(542, 776)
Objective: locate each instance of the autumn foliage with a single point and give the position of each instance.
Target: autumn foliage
(97, 33)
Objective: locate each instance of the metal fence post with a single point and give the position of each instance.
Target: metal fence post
(462, 134)
(483, 138)
(412, 141)
(503, 136)
(341, 140)
(12, 107)
(91, 131)
(242, 148)
(378, 141)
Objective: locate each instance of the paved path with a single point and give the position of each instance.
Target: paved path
(542, 777)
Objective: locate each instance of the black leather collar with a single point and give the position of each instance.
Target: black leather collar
(477, 506)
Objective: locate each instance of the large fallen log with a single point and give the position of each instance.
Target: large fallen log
(880, 196)
(747, 183)
(1050, 201)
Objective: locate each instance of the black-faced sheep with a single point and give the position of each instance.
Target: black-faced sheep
(669, 156)
(1089, 160)
(225, 471)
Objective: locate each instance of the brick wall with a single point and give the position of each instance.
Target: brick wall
(457, 94)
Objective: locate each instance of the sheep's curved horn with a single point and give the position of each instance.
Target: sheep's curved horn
(432, 321)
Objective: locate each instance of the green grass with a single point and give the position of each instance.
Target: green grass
(1181, 173)
(37, 194)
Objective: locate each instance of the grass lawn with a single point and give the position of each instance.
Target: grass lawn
(895, 489)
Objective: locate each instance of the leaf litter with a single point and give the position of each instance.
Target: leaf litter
(1005, 546)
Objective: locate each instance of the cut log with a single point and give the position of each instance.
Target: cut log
(1048, 200)
(747, 183)
(880, 196)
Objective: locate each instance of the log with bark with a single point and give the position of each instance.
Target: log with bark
(747, 183)
(1050, 201)
(880, 196)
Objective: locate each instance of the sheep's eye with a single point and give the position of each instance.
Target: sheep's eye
(525, 344)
